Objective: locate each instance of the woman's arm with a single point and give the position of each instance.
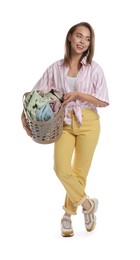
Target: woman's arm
(85, 97)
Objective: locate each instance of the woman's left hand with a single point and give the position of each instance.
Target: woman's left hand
(71, 96)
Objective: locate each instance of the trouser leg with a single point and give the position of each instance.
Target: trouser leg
(83, 143)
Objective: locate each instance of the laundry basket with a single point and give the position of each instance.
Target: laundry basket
(46, 132)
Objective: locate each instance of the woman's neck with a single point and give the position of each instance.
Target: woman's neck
(74, 67)
(74, 61)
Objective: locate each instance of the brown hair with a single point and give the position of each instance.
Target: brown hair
(89, 53)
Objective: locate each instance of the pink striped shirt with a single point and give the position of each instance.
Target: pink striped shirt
(90, 80)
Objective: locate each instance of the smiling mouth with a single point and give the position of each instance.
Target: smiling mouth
(80, 47)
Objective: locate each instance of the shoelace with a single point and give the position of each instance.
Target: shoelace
(66, 222)
(87, 218)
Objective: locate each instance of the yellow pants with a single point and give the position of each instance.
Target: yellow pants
(73, 153)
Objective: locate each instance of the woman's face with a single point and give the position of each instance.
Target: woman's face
(80, 40)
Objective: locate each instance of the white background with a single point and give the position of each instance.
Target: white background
(31, 197)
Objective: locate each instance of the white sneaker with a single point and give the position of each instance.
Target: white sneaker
(90, 218)
(66, 227)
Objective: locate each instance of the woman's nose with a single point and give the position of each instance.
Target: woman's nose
(82, 40)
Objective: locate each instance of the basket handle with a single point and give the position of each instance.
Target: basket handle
(25, 95)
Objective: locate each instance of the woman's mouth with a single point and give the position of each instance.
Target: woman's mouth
(80, 47)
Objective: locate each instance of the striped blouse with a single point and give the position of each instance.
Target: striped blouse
(90, 80)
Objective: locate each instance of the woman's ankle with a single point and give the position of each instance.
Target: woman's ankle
(67, 215)
(86, 205)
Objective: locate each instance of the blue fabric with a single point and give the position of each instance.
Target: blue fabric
(44, 113)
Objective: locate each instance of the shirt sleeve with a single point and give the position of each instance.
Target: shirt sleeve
(100, 85)
(45, 83)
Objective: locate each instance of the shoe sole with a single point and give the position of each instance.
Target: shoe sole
(67, 234)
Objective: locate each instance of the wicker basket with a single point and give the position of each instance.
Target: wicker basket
(46, 132)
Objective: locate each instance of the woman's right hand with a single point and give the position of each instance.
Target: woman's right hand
(24, 123)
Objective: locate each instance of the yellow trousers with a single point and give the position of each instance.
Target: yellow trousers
(73, 153)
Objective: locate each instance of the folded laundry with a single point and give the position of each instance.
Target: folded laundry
(32, 102)
(41, 106)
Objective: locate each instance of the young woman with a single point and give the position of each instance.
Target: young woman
(83, 84)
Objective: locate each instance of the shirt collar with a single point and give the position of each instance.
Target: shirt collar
(60, 62)
(84, 60)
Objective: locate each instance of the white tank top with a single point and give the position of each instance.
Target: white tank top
(71, 82)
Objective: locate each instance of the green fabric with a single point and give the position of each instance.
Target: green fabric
(32, 102)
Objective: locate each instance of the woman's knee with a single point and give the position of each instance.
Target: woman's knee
(61, 171)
